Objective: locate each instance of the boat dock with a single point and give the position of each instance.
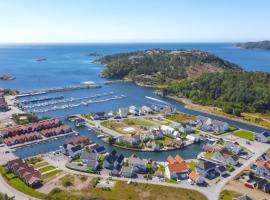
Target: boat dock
(41, 99)
(62, 100)
(60, 89)
(82, 103)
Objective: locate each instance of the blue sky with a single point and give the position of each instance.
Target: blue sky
(61, 21)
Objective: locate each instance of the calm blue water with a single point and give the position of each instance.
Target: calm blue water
(69, 65)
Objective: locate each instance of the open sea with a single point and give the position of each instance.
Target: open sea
(68, 64)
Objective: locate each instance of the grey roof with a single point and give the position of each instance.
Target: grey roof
(205, 165)
(128, 169)
(218, 123)
(221, 168)
(245, 197)
(136, 161)
(202, 118)
(76, 148)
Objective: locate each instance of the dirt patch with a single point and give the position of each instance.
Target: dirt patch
(240, 188)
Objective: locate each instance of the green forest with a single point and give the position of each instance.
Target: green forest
(234, 92)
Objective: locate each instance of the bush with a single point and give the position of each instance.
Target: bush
(67, 180)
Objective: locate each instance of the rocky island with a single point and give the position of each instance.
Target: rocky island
(94, 54)
(196, 75)
(264, 45)
(7, 77)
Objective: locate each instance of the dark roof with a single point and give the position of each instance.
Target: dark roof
(206, 165)
(120, 158)
(245, 197)
(221, 168)
(76, 148)
(100, 149)
(113, 152)
(266, 134)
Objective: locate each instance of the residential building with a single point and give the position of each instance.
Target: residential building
(262, 137)
(196, 178)
(206, 168)
(220, 126)
(92, 160)
(133, 110)
(123, 112)
(232, 147)
(263, 168)
(138, 164)
(128, 172)
(226, 157)
(176, 168)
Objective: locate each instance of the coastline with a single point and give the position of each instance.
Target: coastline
(189, 105)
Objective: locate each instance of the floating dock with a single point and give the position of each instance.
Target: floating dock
(59, 89)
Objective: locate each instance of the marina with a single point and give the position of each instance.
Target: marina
(62, 100)
(82, 103)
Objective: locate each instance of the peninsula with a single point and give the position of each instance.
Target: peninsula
(202, 77)
(264, 45)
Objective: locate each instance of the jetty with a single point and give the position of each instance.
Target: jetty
(41, 99)
(58, 89)
(118, 81)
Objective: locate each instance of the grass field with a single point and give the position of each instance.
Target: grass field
(208, 155)
(46, 169)
(166, 140)
(244, 134)
(180, 117)
(48, 176)
(39, 165)
(192, 165)
(138, 124)
(122, 190)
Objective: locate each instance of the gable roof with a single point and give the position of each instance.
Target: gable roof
(205, 165)
(178, 167)
(194, 176)
(266, 164)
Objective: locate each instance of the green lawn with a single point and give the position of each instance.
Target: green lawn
(48, 176)
(46, 169)
(39, 165)
(244, 134)
(228, 195)
(166, 140)
(208, 155)
(192, 165)
(168, 180)
(88, 116)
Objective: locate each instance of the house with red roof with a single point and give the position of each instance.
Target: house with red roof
(263, 168)
(176, 168)
(196, 178)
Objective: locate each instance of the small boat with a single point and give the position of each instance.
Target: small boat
(88, 83)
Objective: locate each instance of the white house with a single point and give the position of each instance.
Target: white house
(262, 137)
(232, 147)
(167, 130)
(123, 112)
(193, 138)
(220, 126)
(263, 168)
(226, 158)
(146, 110)
(133, 110)
(204, 120)
(186, 129)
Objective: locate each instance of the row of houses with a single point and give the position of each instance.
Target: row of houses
(19, 139)
(28, 128)
(133, 110)
(76, 146)
(3, 103)
(62, 129)
(28, 174)
(228, 154)
(262, 137)
(262, 166)
(210, 125)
